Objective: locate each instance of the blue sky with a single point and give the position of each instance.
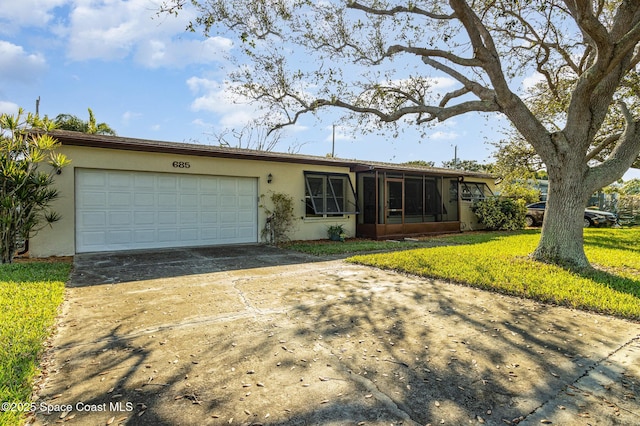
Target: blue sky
(148, 78)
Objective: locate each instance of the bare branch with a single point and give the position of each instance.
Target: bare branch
(465, 62)
(400, 9)
(592, 28)
(602, 145)
(479, 90)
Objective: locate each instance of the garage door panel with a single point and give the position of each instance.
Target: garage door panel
(144, 199)
(168, 235)
(188, 218)
(120, 219)
(245, 232)
(167, 200)
(120, 199)
(245, 202)
(189, 234)
(93, 219)
(228, 202)
(209, 185)
(188, 201)
(208, 201)
(92, 178)
(209, 218)
(144, 218)
(144, 236)
(189, 183)
(209, 233)
(228, 185)
(120, 237)
(121, 210)
(245, 218)
(144, 181)
(228, 218)
(167, 218)
(97, 238)
(228, 232)
(167, 182)
(122, 180)
(93, 199)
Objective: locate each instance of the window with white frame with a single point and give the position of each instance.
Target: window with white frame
(327, 194)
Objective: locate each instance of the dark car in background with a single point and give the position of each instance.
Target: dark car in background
(535, 216)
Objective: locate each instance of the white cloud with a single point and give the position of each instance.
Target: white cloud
(27, 13)
(8, 108)
(440, 135)
(218, 97)
(129, 115)
(120, 29)
(531, 80)
(201, 123)
(157, 53)
(18, 65)
(342, 133)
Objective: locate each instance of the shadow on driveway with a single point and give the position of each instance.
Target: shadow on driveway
(127, 266)
(256, 335)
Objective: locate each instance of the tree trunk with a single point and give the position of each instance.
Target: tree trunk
(561, 241)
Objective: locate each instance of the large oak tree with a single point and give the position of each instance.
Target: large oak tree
(383, 60)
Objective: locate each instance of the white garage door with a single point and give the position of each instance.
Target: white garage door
(121, 210)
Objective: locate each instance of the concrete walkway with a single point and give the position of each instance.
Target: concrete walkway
(255, 335)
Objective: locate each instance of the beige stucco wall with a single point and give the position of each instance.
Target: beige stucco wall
(468, 220)
(59, 239)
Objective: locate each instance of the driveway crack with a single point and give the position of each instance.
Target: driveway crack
(575, 385)
(393, 406)
(245, 300)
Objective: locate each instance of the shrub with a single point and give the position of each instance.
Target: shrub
(28, 164)
(336, 233)
(280, 218)
(502, 214)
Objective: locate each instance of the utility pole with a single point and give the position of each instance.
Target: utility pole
(333, 142)
(455, 156)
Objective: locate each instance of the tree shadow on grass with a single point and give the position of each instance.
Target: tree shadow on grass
(611, 240)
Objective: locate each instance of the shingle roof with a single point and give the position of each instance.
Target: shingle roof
(133, 144)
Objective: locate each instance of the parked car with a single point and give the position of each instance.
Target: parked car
(535, 215)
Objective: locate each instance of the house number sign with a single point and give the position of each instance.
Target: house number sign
(181, 164)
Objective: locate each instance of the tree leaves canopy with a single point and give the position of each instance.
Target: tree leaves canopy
(76, 124)
(388, 63)
(427, 61)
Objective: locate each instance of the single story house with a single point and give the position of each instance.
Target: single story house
(124, 193)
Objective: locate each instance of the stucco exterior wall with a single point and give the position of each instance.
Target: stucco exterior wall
(468, 220)
(59, 239)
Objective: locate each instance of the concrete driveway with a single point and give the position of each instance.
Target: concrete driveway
(256, 335)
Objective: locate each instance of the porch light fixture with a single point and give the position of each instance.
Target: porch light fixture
(269, 178)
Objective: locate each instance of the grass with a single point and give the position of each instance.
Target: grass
(500, 262)
(349, 246)
(30, 294)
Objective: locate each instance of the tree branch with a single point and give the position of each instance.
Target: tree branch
(399, 9)
(602, 145)
(419, 51)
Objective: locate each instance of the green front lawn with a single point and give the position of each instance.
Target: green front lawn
(500, 262)
(350, 246)
(30, 294)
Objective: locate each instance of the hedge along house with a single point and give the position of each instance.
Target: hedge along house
(126, 194)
